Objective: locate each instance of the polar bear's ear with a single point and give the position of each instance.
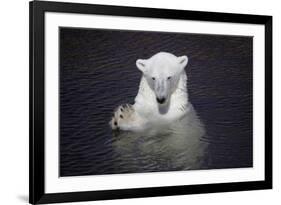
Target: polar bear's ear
(141, 64)
(183, 61)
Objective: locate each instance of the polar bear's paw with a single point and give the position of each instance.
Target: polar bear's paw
(123, 117)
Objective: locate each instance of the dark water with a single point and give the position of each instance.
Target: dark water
(98, 73)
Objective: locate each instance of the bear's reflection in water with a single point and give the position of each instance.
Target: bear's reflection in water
(173, 148)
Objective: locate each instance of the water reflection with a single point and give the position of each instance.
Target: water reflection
(175, 147)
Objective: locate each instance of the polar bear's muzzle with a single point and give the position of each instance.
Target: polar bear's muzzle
(161, 100)
(161, 91)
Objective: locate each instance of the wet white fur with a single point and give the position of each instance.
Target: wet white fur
(147, 113)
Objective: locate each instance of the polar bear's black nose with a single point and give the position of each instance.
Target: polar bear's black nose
(160, 100)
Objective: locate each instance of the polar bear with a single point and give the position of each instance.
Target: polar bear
(162, 99)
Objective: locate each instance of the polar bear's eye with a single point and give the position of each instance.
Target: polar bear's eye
(153, 78)
(169, 77)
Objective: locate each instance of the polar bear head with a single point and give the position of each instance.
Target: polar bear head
(162, 72)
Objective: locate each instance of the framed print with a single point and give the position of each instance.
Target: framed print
(140, 102)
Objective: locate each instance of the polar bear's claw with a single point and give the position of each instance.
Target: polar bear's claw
(122, 117)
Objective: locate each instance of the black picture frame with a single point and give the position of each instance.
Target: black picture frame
(37, 9)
